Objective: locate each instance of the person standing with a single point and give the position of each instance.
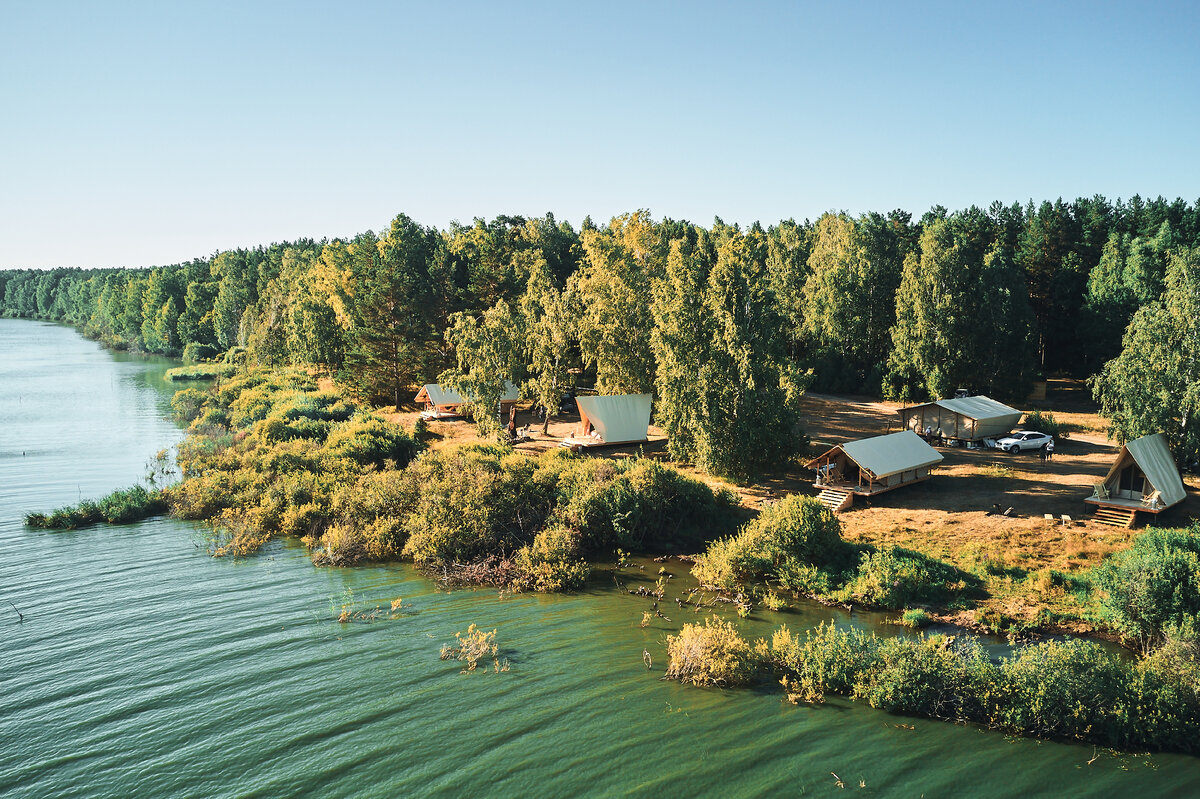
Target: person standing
(1050, 449)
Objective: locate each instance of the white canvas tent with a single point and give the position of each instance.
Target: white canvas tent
(961, 418)
(1142, 478)
(614, 419)
(872, 466)
(443, 402)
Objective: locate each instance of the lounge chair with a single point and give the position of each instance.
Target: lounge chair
(1153, 500)
(1100, 491)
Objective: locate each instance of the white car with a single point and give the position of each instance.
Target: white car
(1024, 441)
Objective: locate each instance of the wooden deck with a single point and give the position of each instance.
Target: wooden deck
(1123, 504)
(866, 490)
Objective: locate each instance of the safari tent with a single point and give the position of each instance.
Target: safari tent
(1142, 478)
(608, 420)
(872, 466)
(441, 402)
(960, 419)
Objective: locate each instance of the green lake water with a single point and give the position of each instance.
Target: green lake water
(144, 668)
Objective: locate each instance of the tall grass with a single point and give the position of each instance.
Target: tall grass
(120, 507)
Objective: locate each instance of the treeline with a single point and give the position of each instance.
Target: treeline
(725, 325)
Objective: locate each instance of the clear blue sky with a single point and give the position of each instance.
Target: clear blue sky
(150, 133)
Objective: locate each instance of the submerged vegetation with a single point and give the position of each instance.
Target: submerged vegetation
(1072, 690)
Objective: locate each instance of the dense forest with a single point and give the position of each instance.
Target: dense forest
(724, 325)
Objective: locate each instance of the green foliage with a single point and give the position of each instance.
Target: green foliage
(1154, 384)
(200, 371)
(1043, 423)
(916, 617)
(610, 297)
(552, 561)
(848, 306)
(727, 387)
(1072, 690)
(962, 315)
(797, 541)
(1153, 589)
(123, 506)
(894, 578)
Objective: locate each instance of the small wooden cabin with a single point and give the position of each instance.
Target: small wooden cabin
(610, 420)
(1143, 478)
(960, 419)
(872, 466)
(442, 402)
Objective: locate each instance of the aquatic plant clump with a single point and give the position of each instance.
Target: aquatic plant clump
(123, 506)
(473, 646)
(1064, 690)
(712, 654)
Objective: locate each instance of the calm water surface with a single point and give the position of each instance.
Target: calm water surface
(145, 668)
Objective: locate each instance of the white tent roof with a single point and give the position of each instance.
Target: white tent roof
(979, 407)
(619, 418)
(443, 395)
(1153, 457)
(891, 454)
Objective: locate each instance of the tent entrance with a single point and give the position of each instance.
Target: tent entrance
(1131, 483)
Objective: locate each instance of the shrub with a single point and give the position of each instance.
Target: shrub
(894, 577)
(552, 562)
(915, 617)
(1044, 423)
(1153, 587)
(187, 404)
(712, 653)
(472, 646)
(797, 540)
(370, 440)
(195, 352)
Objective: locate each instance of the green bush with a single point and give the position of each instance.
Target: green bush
(1043, 423)
(797, 541)
(1153, 588)
(369, 440)
(195, 352)
(893, 578)
(552, 561)
(915, 617)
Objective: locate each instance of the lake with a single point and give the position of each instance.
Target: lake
(143, 667)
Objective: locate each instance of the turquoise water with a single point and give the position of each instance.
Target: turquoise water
(145, 668)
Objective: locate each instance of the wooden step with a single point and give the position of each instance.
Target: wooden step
(1115, 517)
(835, 499)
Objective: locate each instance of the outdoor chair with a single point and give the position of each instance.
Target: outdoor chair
(1100, 491)
(1152, 500)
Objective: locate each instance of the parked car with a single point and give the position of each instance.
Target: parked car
(1024, 441)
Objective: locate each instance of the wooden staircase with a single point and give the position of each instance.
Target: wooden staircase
(1115, 517)
(836, 499)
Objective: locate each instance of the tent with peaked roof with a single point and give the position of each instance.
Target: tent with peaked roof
(442, 402)
(960, 418)
(874, 465)
(612, 419)
(1142, 478)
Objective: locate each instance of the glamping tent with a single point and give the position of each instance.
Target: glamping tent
(960, 419)
(871, 466)
(615, 419)
(442, 402)
(1143, 478)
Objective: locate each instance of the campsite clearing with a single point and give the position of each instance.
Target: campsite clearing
(957, 515)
